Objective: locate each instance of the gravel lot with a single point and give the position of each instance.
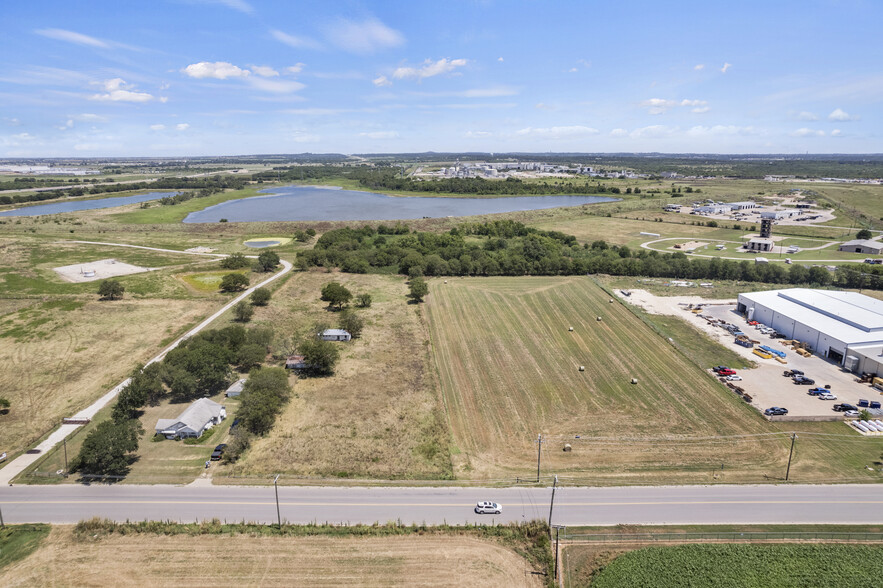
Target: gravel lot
(765, 383)
(101, 270)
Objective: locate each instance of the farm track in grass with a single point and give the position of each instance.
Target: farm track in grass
(508, 369)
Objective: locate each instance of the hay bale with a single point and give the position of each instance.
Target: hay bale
(599, 318)
(582, 368)
(567, 447)
(634, 380)
(570, 328)
(611, 300)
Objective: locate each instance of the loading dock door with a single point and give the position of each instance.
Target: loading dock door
(835, 355)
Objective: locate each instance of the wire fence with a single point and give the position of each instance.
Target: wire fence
(865, 537)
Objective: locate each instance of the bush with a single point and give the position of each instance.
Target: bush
(243, 311)
(235, 261)
(363, 300)
(863, 234)
(235, 282)
(268, 260)
(335, 294)
(261, 297)
(320, 355)
(418, 289)
(352, 322)
(111, 289)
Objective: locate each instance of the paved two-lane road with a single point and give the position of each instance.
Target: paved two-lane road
(573, 506)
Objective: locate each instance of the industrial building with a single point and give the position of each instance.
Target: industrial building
(759, 244)
(744, 205)
(780, 214)
(845, 327)
(862, 246)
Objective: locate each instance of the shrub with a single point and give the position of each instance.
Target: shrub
(111, 289)
(363, 300)
(352, 322)
(235, 261)
(243, 311)
(235, 282)
(260, 297)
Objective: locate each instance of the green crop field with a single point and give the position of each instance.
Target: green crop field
(508, 371)
(744, 566)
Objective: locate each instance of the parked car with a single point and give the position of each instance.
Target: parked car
(727, 372)
(487, 507)
(851, 413)
(845, 407)
(793, 372)
(803, 380)
(753, 323)
(827, 396)
(716, 369)
(734, 378)
(218, 452)
(817, 391)
(776, 411)
(777, 336)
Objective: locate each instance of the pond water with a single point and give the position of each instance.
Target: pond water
(75, 205)
(261, 244)
(310, 203)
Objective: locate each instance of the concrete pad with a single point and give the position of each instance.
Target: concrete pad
(101, 269)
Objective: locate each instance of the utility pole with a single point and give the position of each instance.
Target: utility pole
(2, 524)
(278, 513)
(557, 532)
(791, 453)
(539, 452)
(552, 504)
(65, 453)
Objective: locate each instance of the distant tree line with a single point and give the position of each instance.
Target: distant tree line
(509, 248)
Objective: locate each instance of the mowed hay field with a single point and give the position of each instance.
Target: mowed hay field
(61, 355)
(241, 560)
(379, 415)
(508, 369)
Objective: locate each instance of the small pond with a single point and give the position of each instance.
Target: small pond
(310, 203)
(76, 205)
(261, 244)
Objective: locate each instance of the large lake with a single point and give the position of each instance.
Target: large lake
(310, 203)
(75, 205)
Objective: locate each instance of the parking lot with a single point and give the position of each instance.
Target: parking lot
(766, 384)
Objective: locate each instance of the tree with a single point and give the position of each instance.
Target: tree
(235, 282)
(250, 356)
(335, 294)
(352, 322)
(363, 300)
(260, 297)
(320, 355)
(263, 396)
(863, 234)
(243, 311)
(4, 405)
(111, 289)
(199, 368)
(235, 261)
(107, 450)
(268, 260)
(418, 289)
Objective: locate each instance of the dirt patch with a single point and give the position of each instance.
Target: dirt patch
(689, 245)
(101, 269)
(241, 560)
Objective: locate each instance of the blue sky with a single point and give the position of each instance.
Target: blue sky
(223, 77)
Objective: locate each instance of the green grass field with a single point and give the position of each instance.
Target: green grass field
(18, 541)
(744, 566)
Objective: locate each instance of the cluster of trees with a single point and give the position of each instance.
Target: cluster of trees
(244, 309)
(264, 396)
(386, 179)
(200, 366)
(512, 249)
(267, 261)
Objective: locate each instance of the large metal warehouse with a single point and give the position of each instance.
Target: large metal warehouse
(842, 326)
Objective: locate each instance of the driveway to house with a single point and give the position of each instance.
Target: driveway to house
(22, 462)
(723, 504)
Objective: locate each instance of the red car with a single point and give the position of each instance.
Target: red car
(753, 323)
(727, 372)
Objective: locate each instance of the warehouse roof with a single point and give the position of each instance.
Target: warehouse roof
(862, 243)
(846, 316)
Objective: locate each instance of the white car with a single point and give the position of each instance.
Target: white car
(486, 507)
(734, 378)
(827, 396)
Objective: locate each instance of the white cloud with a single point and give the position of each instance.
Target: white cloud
(72, 37)
(804, 115)
(700, 109)
(805, 132)
(542, 106)
(219, 70)
(658, 105)
(366, 36)
(836, 133)
(699, 66)
(500, 59)
(88, 117)
(68, 125)
(380, 135)
(573, 70)
(619, 133)
(840, 115)
(429, 69)
(726, 67)
(182, 126)
(717, 130)
(295, 69)
(654, 131)
(12, 122)
(686, 102)
(157, 127)
(240, 5)
(477, 134)
(381, 81)
(558, 132)
(264, 71)
(117, 90)
(295, 41)
(494, 92)
(276, 86)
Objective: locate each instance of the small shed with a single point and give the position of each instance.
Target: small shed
(335, 335)
(235, 389)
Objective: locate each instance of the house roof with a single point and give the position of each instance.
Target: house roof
(846, 316)
(335, 332)
(237, 386)
(194, 416)
(863, 243)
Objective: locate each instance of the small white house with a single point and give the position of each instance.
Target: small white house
(235, 389)
(199, 417)
(335, 335)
